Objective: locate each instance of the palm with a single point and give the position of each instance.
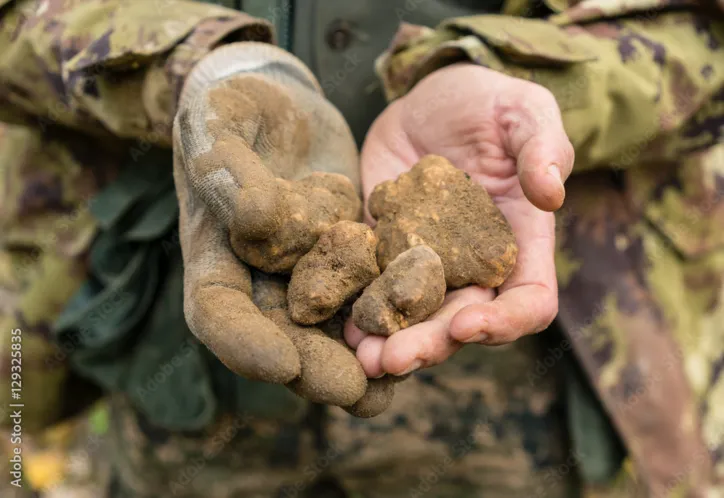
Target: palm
(485, 129)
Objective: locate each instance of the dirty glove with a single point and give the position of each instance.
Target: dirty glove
(263, 165)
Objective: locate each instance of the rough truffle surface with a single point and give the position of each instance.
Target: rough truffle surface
(411, 288)
(340, 264)
(439, 205)
(308, 208)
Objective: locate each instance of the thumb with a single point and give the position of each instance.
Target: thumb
(533, 133)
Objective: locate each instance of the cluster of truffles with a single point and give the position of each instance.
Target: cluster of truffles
(436, 230)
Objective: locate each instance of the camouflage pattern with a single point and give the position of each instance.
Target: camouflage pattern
(64, 74)
(640, 243)
(640, 259)
(47, 176)
(487, 424)
(109, 67)
(46, 179)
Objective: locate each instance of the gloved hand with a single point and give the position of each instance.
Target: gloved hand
(263, 165)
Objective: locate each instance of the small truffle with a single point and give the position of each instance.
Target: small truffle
(308, 208)
(341, 263)
(411, 288)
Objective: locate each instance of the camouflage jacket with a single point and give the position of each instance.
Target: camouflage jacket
(641, 249)
(50, 170)
(640, 257)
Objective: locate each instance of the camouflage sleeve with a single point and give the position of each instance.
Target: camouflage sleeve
(634, 82)
(108, 66)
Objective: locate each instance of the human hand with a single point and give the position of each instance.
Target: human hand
(507, 134)
(263, 165)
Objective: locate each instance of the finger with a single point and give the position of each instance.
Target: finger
(528, 301)
(219, 309)
(330, 372)
(353, 335)
(369, 354)
(535, 137)
(229, 177)
(331, 375)
(423, 345)
(376, 399)
(428, 343)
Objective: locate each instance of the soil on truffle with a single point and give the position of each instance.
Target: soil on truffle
(440, 206)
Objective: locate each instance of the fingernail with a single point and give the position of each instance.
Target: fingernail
(413, 366)
(379, 376)
(555, 172)
(476, 338)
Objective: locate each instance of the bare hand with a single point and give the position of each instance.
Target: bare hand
(507, 134)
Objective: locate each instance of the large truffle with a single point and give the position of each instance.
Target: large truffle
(441, 206)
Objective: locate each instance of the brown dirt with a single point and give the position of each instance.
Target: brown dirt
(439, 205)
(376, 400)
(273, 217)
(341, 263)
(330, 372)
(411, 288)
(309, 208)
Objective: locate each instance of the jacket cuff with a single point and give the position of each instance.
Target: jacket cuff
(493, 41)
(123, 76)
(206, 36)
